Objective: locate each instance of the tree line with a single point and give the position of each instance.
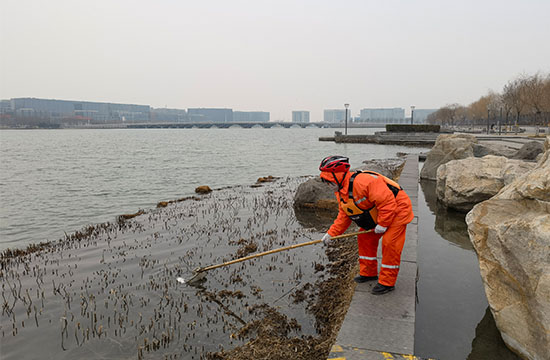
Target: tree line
(524, 100)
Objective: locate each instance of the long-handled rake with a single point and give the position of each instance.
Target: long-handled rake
(200, 273)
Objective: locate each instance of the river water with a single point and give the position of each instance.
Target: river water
(57, 181)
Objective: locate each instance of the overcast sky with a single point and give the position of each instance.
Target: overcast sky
(274, 56)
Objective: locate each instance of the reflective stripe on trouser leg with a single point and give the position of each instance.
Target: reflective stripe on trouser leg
(392, 245)
(368, 246)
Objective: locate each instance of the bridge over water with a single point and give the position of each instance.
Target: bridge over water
(246, 125)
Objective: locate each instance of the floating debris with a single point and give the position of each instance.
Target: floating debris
(203, 189)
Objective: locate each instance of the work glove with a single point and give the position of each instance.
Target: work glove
(380, 229)
(326, 239)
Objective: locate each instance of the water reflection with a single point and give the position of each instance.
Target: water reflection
(488, 343)
(448, 223)
(320, 220)
(452, 320)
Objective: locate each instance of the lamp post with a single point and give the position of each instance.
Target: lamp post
(412, 114)
(346, 106)
(488, 113)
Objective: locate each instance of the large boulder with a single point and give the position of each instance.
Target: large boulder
(496, 148)
(463, 183)
(511, 235)
(529, 151)
(315, 194)
(447, 148)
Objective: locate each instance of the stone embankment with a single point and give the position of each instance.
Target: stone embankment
(509, 227)
(387, 138)
(462, 146)
(511, 235)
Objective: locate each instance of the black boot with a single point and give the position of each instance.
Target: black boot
(361, 279)
(380, 289)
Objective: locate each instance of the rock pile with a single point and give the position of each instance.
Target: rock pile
(462, 146)
(511, 235)
(447, 148)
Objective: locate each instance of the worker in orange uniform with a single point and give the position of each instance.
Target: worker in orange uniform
(372, 201)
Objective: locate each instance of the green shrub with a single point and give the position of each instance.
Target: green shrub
(407, 128)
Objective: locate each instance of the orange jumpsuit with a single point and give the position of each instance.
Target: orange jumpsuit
(394, 213)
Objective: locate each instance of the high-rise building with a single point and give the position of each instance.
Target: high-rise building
(300, 116)
(383, 116)
(210, 115)
(5, 106)
(168, 115)
(250, 116)
(334, 115)
(93, 111)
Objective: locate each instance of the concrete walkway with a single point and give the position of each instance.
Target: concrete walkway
(382, 326)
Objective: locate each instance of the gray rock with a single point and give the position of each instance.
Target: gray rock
(447, 148)
(493, 148)
(511, 235)
(390, 168)
(529, 151)
(315, 194)
(461, 184)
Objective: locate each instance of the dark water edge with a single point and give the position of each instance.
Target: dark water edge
(453, 320)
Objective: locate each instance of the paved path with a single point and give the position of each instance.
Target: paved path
(382, 326)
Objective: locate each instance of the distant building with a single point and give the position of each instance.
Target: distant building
(5, 107)
(168, 115)
(383, 116)
(335, 116)
(421, 115)
(250, 116)
(85, 110)
(210, 115)
(300, 116)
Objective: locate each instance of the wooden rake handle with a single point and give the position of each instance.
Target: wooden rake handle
(211, 267)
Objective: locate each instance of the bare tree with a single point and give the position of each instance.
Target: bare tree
(514, 95)
(534, 93)
(449, 115)
(546, 94)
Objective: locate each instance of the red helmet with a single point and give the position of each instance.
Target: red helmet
(335, 164)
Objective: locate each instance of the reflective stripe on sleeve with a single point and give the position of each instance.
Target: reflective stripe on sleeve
(367, 258)
(390, 266)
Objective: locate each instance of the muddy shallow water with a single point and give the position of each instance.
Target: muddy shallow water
(110, 291)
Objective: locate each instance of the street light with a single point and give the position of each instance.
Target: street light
(346, 106)
(412, 114)
(488, 118)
